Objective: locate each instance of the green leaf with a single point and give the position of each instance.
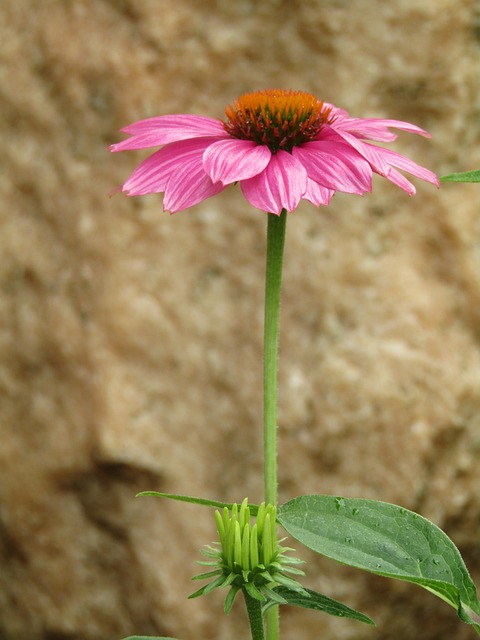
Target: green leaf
(148, 638)
(466, 176)
(386, 540)
(319, 602)
(203, 501)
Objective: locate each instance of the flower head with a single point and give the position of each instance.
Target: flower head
(281, 146)
(249, 557)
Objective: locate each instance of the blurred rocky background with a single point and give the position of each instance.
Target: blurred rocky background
(131, 340)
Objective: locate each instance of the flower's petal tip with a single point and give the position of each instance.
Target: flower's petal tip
(114, 192)
(422, 132)
(118, 146)
(222, 183)
(167, 209)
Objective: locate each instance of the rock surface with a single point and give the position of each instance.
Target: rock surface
(130, 341)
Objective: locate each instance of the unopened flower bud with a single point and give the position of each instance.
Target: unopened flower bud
(249, 556)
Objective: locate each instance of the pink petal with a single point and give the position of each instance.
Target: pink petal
(401, 162)
(336, 112)
(231, 160)
(154, 132)
(397, 178)
(335, 165)
(153, 174)
(368, 151)
(375, 128)
(188, 186)
(316, 194)
(359, 129)
(280, 185)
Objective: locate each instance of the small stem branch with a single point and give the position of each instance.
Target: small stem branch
(255, 618)
(273, 623)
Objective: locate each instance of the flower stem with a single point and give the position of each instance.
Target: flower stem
(255, 618)
(273, 283)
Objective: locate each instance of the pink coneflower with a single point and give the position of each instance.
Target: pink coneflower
(281, 146)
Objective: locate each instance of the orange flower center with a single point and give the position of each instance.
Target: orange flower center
(277, 118)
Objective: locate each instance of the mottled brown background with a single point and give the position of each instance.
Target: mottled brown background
(130, 341)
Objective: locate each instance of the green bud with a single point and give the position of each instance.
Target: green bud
(248, 556)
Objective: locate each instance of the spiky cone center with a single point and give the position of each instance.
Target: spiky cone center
(248, 556)
(277, 118)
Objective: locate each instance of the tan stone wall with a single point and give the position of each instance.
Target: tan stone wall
(130, 341)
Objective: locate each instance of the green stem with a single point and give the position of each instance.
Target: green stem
(273, 284)
(255, 618)
(273, 623)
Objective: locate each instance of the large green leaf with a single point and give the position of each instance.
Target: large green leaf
(319, 602)
(192, 500)
(466, 176)
(387, 540)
